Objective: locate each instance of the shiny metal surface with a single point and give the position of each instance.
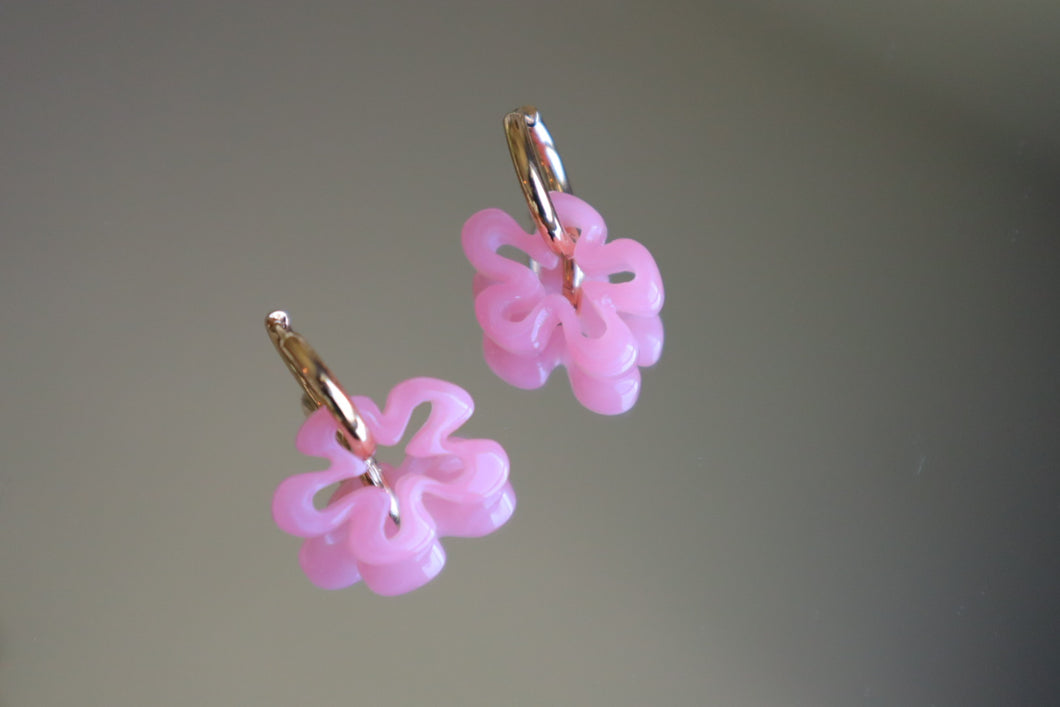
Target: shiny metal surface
(321, 389)
(539, 170)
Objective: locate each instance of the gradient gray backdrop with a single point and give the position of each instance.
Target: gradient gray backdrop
(840, 485)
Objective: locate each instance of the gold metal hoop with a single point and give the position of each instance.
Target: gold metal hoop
(322, 389)
(539, 170)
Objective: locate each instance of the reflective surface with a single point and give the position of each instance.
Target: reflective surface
(322, 390)
(839, 485)
(539, 170)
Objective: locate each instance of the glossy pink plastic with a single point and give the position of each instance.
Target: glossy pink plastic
(530, 328)
(445, 486)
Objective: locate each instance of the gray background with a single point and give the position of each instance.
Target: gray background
(839, 487)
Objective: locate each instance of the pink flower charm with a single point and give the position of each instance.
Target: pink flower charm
(530, 327)
(445, 486)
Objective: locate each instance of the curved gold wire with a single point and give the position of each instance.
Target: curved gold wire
(539, 170)
(322, 389)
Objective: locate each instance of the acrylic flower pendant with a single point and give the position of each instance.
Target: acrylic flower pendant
(530, 327)
(445, 486)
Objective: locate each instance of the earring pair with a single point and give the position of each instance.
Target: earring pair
(572, 300)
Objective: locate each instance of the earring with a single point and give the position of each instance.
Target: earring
(383, 523)
(579, 302)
